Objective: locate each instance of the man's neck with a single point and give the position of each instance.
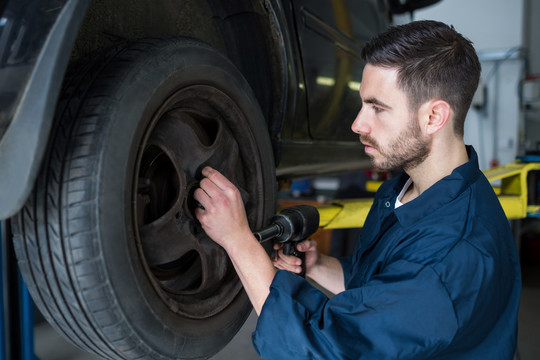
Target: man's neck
(436, 166)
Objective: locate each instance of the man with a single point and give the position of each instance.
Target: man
(435, 273)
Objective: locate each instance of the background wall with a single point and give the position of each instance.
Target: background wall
(500, 34)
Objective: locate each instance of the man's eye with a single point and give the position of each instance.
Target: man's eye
(377, 109)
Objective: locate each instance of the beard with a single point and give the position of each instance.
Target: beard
(406, 151)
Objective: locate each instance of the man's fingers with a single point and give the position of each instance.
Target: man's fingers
(209, 187)
(217, 178)
(296, 266)
(201, 196)
(288, 260)
(218, 187)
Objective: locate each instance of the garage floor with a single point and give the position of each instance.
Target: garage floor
(50, 346)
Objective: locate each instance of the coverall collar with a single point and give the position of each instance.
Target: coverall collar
(440, 193)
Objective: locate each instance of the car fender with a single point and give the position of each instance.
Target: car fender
(28, 111)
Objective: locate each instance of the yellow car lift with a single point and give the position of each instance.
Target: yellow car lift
(516, 185)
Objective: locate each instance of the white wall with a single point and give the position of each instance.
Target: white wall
(490, 24)
(496, 29)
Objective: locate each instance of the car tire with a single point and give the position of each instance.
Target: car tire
(107, 242)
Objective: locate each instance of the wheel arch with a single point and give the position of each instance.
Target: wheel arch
(34, 59)
(252, 34)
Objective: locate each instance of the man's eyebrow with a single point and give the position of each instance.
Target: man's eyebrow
(375, 101)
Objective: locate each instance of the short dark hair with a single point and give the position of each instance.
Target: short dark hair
(433, 61)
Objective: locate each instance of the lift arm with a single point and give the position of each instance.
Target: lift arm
(516, 185)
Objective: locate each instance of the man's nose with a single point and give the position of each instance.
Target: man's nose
(360, 125)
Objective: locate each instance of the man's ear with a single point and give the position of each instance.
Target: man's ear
(437, 114)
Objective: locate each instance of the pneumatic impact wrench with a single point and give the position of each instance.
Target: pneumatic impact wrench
(289, 227)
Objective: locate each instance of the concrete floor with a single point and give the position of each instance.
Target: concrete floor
(529, 315)
(50, 346)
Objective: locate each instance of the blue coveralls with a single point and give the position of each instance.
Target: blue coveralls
(437, 278)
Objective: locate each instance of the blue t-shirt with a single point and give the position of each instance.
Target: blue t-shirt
(437, 278)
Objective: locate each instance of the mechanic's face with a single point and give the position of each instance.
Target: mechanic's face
(391, 134)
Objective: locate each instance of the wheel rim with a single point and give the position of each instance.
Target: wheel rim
(195, 127)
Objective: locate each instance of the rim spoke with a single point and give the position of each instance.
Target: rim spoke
(202, 140)
(215, 263)
(161, 187)
(164, 242)
(224, 155)
(186, 140)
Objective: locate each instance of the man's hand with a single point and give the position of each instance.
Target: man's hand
(222, 215)
(294, 264)
(223, 218)
(325, 270)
